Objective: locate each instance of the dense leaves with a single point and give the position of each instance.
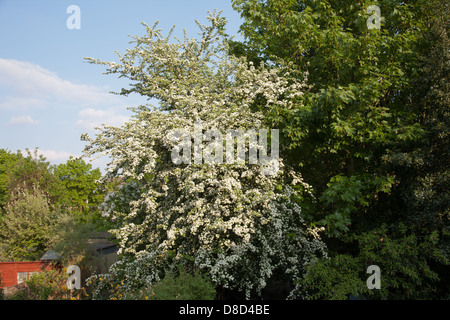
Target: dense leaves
(26, 227)
(42, 205)
(81, 186)
(370, 136)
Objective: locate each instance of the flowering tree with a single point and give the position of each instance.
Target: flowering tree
(232, 220)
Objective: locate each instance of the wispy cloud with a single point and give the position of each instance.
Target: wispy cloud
(22, 120)
(56, 156)
(21, 103)
(28, 91)
(53, 156)
(91, 118)
(28, 85)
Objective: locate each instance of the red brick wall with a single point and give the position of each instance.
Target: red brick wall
(9, 270)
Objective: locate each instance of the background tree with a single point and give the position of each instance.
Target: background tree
(369, 136)
(26, 227)
(29, 195)
(27, 172)
(81, 188)
(7, 160)
(420, 199)
(73, 242)
(39, 201)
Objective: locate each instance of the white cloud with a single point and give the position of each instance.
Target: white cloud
(21, 103)
(22, 120)
(28, 85)
(91, 118)
(56, 156)
(51, 155)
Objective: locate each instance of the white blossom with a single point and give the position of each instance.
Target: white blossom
(235, 222)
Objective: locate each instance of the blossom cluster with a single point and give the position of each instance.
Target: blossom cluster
(213, 151)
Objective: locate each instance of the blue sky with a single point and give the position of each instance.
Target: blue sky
(49, 95)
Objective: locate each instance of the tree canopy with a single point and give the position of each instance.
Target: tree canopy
(370, 135)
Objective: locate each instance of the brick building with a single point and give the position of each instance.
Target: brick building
(16, 272)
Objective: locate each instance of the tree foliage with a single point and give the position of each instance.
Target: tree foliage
(26, 227)
(38, 201)
(356, 106)
(81, 188)
(371, 134)
(18, 172)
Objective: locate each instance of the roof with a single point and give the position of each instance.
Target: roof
(50, 255)
(99, 240)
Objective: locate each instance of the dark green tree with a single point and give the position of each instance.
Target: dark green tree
(370, 135)
(421, 199)
(355, 107)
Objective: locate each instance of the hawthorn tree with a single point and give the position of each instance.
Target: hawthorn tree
(235, 221)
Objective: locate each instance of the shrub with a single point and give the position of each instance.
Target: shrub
(47, 285)
(185, 286)
(180, 285)
(401, 256)
(21, 292)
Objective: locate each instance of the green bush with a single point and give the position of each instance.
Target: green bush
(46, 285)
(21, 294)
(185, 286)
(334, 279)
(402, 257)
(180, 285)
